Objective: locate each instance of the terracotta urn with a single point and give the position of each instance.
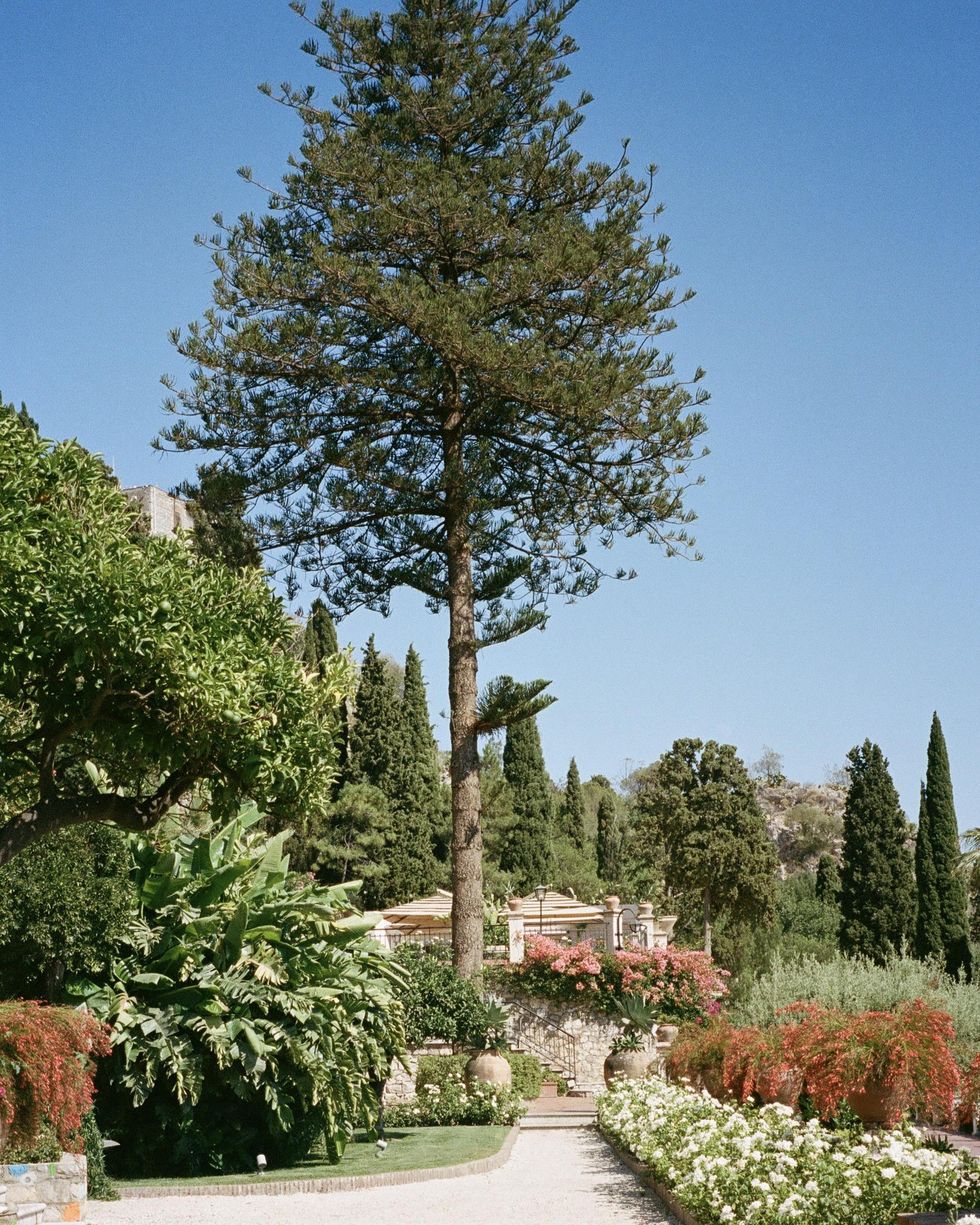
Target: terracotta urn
(666, 1034)
(785, 1090)
(632, 1065)
(877, 1105)
(488, 1068)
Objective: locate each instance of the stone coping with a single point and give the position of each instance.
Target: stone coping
(317, 1186)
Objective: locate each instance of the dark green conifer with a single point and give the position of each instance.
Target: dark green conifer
(609, 842)
(573, 808)
(877, 879)
(944, 844)
(218, 507)
(319, 637)
(528, 853)
(928, 930)
(376, 738)
(420, 801)
(828, 881)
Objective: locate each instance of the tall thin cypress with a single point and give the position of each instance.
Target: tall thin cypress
(944, 843)
(877, 878)
(319, 637)
(419, 801)
(376, 739)
(608, 842)
(928, 929)
(573, 807)
(528, 853)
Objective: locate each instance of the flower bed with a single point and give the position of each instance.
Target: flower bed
(452, 1103)
(679, 984)
(727, 1163)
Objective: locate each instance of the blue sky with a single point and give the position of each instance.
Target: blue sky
(820, 164)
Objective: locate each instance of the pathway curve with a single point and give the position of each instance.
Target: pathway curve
(567, 1176)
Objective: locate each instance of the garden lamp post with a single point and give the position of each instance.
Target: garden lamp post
(539, 893)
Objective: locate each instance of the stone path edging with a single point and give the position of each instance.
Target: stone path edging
(317, 1186)
(664, 1194)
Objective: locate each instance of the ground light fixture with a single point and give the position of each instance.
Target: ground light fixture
(260, 1163)
(380, 1145)
(539, 893)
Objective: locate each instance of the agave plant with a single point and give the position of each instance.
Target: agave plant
(636, 1020)
(248, 1008)
(491, 1032)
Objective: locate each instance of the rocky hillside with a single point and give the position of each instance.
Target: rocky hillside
(805, 820)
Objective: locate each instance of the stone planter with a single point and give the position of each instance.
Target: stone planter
(875, 1105)
(666, 1034)
(56, 1187)
(632, 1065)
(488, 1068)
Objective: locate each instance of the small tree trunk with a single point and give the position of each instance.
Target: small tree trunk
(464, 760)
(707, 921)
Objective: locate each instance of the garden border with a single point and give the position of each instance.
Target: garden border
(317, 1186)
(664, 1194)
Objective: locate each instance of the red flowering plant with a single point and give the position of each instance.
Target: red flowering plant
(699, 1053)
(968, 1107)
(905, 1053)
(46, 1069)
(761, 1063)
(677, 984)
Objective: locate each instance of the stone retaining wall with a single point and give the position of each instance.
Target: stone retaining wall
(593, 1033)
(400, 1085)
(59, 1185)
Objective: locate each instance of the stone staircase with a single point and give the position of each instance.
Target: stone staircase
(553, 1046)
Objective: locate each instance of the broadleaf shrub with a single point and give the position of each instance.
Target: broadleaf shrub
(439, 1006)
(250, 1011)
(526, 1072)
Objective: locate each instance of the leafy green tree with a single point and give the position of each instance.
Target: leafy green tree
(827, 885)
(528, 854)
(218, 507)
(425, 359)
(928, 929)
(877, 896)
(697, 808)
(63, 902)
(573, 808)
(161, 670)
(439, 1005)
(20, 415)
(355, 840)
(249, 1010)
(942, 834)
(609, 842)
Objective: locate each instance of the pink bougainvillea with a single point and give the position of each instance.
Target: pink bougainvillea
(680, 984)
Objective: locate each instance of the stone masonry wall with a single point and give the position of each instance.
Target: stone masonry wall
(59, 1185)
(593, 1033)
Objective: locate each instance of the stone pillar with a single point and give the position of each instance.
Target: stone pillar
(645, 921)
(610, 919)
(515, 928)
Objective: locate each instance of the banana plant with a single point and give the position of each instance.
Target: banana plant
(241, 982)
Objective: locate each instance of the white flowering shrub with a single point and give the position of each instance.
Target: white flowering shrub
(453, 1102)
(738, 1163)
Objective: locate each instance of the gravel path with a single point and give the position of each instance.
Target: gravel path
(562, 1176)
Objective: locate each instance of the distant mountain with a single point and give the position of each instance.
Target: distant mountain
(805, 821)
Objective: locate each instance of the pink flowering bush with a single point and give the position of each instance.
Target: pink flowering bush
(679, 984)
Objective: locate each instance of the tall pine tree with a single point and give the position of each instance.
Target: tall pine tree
(528, 853)
(573, 807)
(609, 842)
(877, 897)
(425, 357)
(928, 929)
(944, 846)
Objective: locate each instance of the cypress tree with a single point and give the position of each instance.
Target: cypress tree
(828, 881)
(376, 738)
(573, 807)
(928, 930)
(319, 637)
(877, 880)
(528, 853)
(944, 845)
(420, 800)
(609, 842)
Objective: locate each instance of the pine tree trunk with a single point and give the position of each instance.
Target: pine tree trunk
(707, 921)
(464, 761)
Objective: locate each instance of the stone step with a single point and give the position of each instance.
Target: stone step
(21, 1214)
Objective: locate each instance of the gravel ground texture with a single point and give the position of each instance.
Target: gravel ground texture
(567, 1176)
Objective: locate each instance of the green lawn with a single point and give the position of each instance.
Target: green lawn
(410, 1148)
